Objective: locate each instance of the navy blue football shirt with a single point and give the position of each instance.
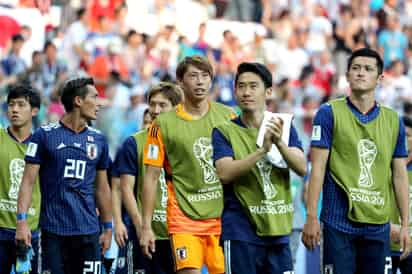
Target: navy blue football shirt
(68, 165)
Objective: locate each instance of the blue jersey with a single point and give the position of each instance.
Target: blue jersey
(128, 158)
(68, 164)
(235, 223)
(335, 202)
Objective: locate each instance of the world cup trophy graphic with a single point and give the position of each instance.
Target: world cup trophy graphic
(16, 169)
(265, 169)
(367, 152)
(202, 149)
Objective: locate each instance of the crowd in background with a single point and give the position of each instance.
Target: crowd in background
(305, 43)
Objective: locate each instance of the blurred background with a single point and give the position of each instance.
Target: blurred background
(129, 45)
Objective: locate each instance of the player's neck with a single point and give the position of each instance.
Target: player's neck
(74, 122)
(252, 119)
(363, 101)
(21, 133)
(196, 109)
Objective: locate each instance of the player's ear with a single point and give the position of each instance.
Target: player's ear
(34, 112)
(77, 101)
(268, 92)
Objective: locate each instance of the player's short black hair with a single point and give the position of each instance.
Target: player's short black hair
(407, 121)
(256, 68)
(367, 52)
(73, 87)
(80, 12)
(24, 91)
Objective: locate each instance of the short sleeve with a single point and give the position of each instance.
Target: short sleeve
(127, 160)
(104, 161)
(154, 150)
(221, 146)
(401, 149)
(35, 149)
(322, 129)
(294, 140)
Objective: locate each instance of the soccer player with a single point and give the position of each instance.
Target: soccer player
(71, 159)
(258, 205)
(23, 103)
(162, 97)
(358, 156)
(180, 142)
(404, 265)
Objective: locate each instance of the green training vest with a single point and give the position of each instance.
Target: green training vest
(159, 215)
(189, 152)
(264, 191)
(11, 173)
(360, 161)
(395, 214)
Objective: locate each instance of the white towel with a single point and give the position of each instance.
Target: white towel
(274, 156)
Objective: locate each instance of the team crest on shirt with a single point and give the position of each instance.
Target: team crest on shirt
(181, 253)
(91, 151)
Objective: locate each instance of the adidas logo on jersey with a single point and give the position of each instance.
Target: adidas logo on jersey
(61, 146)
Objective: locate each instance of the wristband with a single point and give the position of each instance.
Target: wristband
(21, 216)
(107, 225)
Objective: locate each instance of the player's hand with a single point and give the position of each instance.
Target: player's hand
(147, 241)
(311, 233)
(395, 231)
(105, 240)
(404, 239)
(23, 233)
(268, 137)
(120, 234)
(278, 130)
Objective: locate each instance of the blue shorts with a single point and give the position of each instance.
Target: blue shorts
(70, 254)
(405, 266)
(8, 256)
(247, 258)
(345, 253)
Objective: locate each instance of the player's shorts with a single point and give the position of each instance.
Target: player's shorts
(247, 258)
(405, 266)
(70, 254)
(194, 251)
(345, 253)
(8, 256)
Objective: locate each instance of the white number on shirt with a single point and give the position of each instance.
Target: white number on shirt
(75, 169)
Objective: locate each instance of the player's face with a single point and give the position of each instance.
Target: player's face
(89, 104)
(158, 104)
(196, 84)
(250, 92)
(19, 112)
(363, 74)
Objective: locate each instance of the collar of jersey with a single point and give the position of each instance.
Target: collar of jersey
(183, 114)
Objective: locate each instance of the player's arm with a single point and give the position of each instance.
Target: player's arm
(320, 149)
(153, 159)
(128, 161)
(23, 202)
(103, 196)
(120, 229)
(227, 168)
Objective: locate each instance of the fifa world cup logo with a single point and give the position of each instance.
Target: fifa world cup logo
(265, 169)
(16, 169)
(163, 188)
(202, 149)
(367, 152)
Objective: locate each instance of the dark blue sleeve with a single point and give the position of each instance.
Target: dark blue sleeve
(35, 148)
(221, 146)
(401, 149)
(115, 165)
(294, 140)
(104, 161)
(322, 129)
(128, 157)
